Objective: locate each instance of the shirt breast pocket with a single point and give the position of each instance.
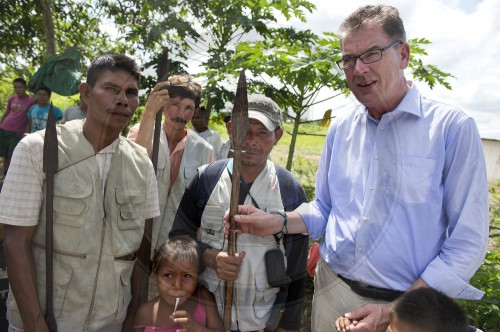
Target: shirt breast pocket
(416, 179)
(189, 173)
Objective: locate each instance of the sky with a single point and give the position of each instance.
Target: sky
(465, 42)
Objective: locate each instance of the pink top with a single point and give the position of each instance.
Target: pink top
(199, 315)
(17, 118)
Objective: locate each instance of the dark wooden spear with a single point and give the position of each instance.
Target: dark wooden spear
(144, 254)
(239, 127)
(50, 164)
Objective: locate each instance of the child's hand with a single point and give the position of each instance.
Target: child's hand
(343, 324)
(183, 318)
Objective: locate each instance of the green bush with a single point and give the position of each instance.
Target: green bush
(485, 314)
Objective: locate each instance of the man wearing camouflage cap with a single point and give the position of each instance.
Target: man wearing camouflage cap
(268, 187)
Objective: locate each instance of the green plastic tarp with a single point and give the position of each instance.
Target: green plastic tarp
(61, 74)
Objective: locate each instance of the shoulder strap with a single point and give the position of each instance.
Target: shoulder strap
(290, 191)
(208, 178)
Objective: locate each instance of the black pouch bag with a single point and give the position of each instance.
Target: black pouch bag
(275, 268)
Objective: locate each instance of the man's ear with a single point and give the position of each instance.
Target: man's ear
(85, 92)
(405, 55)
(278, 133)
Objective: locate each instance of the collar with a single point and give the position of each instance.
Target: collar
(410, 104)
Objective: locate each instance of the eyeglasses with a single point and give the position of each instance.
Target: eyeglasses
(368, 57)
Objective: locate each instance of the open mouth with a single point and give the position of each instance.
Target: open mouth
(365, 84)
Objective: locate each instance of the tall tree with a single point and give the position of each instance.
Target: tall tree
(24, 42)
(224, 24)
(48, 27)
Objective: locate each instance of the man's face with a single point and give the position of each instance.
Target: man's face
(112, 100)
(381, 85)
(199, 121)
(258, 143)
(19, 89)
(178, 113)
(42, 97)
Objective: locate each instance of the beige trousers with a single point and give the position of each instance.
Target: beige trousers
(332, 299)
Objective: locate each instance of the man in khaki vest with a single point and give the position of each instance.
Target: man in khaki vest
(258, 303)
(104, 189)
(181, 150)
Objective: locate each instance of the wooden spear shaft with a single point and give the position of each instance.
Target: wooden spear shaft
(239, 126)
(50, 164)
(144, 254)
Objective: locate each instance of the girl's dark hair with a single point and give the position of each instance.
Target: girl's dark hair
(177, 248)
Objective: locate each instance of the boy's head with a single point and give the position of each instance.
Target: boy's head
(42, 95)
(200, 119)
(112, 62)
(427, 310)
(19, 87)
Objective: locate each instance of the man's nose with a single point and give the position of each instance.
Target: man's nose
(122, 98)
(360, 66)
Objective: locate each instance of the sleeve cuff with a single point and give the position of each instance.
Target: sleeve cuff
(439, 276)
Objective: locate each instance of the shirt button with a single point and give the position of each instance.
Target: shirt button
(371, 188)
(360, 250)
(376, 157)
(365, 218)
(381, 127)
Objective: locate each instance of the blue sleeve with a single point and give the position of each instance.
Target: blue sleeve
(58, 113)
(465, 204)
(30, 112)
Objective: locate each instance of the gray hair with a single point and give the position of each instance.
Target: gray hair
(386, 16)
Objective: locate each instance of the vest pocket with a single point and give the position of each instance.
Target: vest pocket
(125, 295)
(70, 210)
(212, 226)
(62, 276)
(264, 295)
(70, 216)
(131, 203)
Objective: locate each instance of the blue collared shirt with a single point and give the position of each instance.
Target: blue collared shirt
(402, 198)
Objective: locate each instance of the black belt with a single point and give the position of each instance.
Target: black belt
(372, 291)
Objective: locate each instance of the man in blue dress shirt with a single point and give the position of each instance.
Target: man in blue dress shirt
(401, 190)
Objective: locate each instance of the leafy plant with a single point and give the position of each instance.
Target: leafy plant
(485, 314)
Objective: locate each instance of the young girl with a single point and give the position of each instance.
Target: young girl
(175, 268)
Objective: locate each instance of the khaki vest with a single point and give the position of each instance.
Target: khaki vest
(197, 152)
(91, 285)
(253, 298)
